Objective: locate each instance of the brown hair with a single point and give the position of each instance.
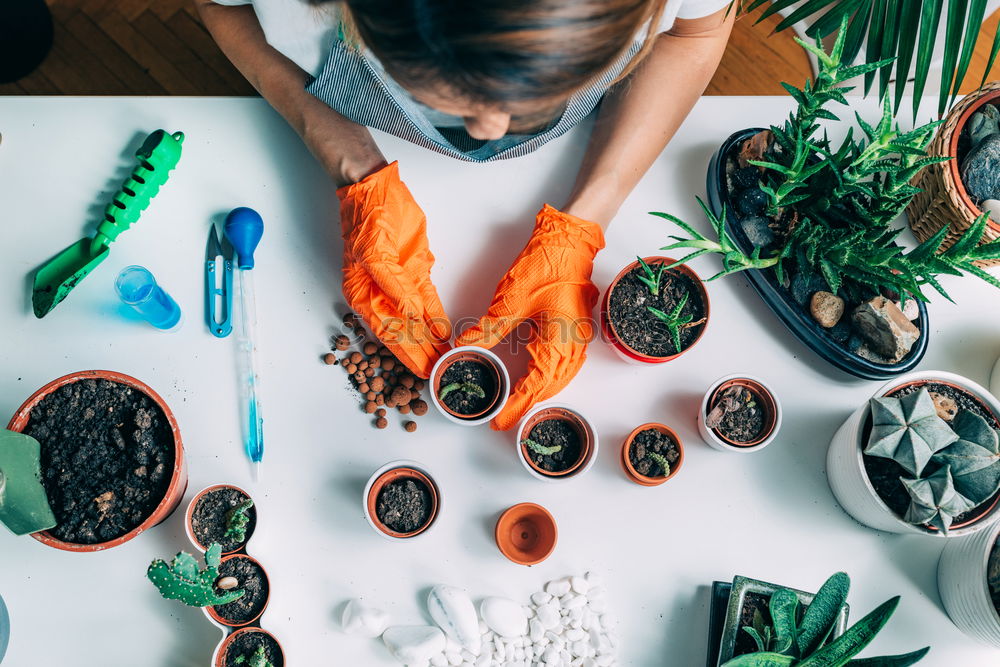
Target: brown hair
(502, 51)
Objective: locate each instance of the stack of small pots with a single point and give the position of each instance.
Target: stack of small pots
(242, 634)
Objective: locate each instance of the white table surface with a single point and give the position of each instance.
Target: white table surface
(770, 515)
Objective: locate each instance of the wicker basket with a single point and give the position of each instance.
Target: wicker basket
(943, 200)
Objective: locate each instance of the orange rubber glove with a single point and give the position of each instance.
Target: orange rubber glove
(387, 269)
(548, 283)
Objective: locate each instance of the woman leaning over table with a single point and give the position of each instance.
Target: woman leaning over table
(479, 80)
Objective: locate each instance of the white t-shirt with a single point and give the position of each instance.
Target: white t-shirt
(304, 32)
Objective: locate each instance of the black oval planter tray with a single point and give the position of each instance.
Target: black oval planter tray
(795, 317)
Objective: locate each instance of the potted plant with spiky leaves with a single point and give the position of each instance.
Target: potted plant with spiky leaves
(921, 456)
(796, 638)
(811, 223)
(652, 313)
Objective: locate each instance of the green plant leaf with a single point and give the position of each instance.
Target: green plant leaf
(821, 615)
(977, 10)
(854, 640)
(784, 608)
(761, 660)
(954, 25)
(904, 660)
(541, 449)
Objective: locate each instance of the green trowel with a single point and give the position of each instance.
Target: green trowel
(24, 507)
(57, 278)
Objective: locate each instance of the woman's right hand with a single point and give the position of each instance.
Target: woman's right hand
(387, 269)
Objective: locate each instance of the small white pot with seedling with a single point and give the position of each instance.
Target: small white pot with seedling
(469, 385)
(739, 413)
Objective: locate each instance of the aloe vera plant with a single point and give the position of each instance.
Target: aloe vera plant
(674, 321)
(900, 34)
(804, 640)
(650, 278)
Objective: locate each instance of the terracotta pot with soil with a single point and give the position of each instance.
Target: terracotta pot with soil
(739, 413)
(870, 488)
(651, 314)
(556, 442)
(526, 534)
(402, 500)
(469, 385)
(112, 460)
(251, 577)
(652, 454)
(237, 649)
(969, 583)
(221, 513)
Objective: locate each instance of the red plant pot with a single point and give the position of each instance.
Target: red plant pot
(189, 516)
(635, 475)
(583, 430)
(392, 475)
(178, 479)
(526, 534)
(608, 328)
(234, 624)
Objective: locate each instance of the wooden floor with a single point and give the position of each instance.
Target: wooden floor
(159, 47)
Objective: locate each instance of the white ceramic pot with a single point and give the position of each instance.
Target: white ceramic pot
(849, 482)
(713, 440)
(419, 467)
(995, 380)
(502, 375)
(963, 587)
(522, 432)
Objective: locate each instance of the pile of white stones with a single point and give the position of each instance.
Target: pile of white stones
(565, 624)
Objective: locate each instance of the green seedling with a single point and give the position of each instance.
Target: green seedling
(465, 387)
(805, 640)
(541, 449)
(760, 632)
(256, 659)
(661, 461)
(237, 520)
(183, 580)
(837, 203)
(651, 279)
(674, 322)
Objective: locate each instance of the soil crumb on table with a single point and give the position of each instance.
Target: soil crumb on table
(404, 505)
(107, 455)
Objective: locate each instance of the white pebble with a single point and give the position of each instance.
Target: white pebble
(579, 585)
(505, 617)
(454, 659)
(574, 602)
(439, 660)
(575, 635)
(548, 617)
(540, 598)
(535, 629)
(557, 588)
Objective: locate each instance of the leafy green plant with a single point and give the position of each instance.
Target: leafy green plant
(834, 205)
(465, 387)
(661, 461)
(806, 641)
(541, 449)
(895, 32)
(237, 520)
(183, 580)
(256, 659)
(953, 467)
(674, 321)
(649, 278)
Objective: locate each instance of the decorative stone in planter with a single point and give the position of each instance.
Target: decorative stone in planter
(469, 385)
(651, 314)
(739, 413)
(969, 583)
(526, 534)
(402, 500)
(221, 513)
(744, 597)
(108, 497)
(909, 439)
(652, 454)
(247, 647)
(556, 442)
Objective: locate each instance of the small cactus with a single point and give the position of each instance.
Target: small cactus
(974, 458)
(237, 520)
(256, 659)
(465, 387)
(183, 580)
(662, 461)
(908, 430)
(934, 500)
(541, 449)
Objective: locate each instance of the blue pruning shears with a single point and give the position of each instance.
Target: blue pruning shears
(219, 284)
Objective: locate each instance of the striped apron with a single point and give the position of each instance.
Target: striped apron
(354, 84)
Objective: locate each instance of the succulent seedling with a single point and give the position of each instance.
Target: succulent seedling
(908, 430)
(649, 277)
(540, 449)
(661, 461)
(974, 458)
(731, 400)
(934, 500)
(466, 387)
(256, 659)
(760, 632)
(675, 321)
(797, 640)
(237, 520)
(183, 580)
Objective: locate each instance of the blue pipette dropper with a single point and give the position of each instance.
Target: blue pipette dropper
(243, 228)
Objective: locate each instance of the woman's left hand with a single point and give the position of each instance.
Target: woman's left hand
(549, 284)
